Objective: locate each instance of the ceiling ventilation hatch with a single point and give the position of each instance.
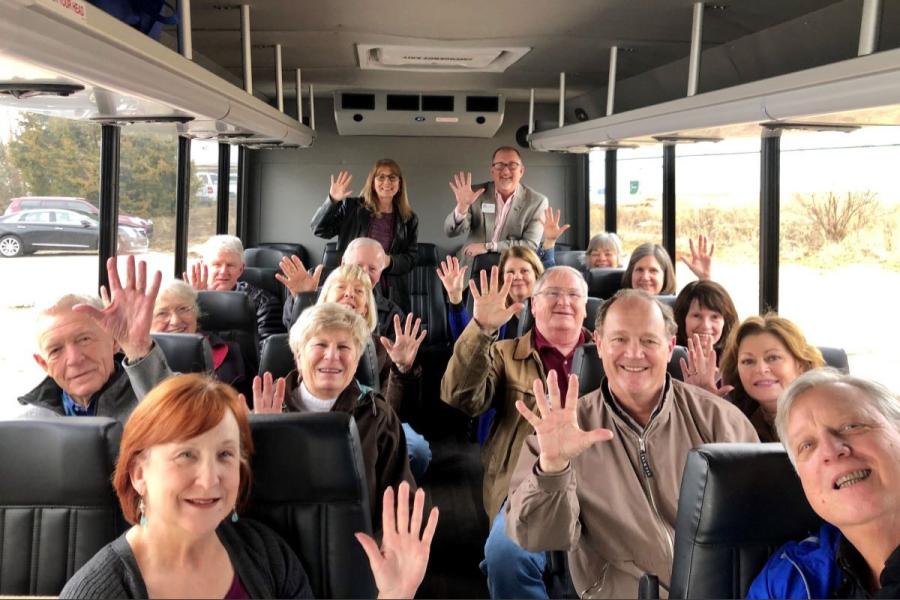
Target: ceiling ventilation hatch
(438, 59)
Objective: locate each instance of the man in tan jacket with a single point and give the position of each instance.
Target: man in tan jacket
(485, 373)
(601, 475)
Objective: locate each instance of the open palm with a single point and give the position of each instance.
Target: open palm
(490, 309)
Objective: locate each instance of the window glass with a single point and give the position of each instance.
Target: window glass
(717, 195)
(204, 195)
(840, 244)
(40, 156)
(639, 196)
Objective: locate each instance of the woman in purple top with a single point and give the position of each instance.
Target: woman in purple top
(380, 212)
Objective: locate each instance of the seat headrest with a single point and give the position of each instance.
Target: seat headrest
(835, 357)
(186, 352)
(58, 462)
(668, 300)
(591, 310)
(604, 283)
(263, 278)
(427, 255)
(484, 262)
(221, 311)
(291, 248)
(267, 258)
(570, 258)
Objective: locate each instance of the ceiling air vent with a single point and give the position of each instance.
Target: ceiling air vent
(441, 59)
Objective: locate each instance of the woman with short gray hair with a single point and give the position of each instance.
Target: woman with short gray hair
(842, 434)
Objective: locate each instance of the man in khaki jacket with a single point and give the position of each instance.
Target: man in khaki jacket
(601, 475)
(485, 373)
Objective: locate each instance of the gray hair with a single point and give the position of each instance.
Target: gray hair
(64, 304)
(362, 242)
(605, 240)
(183, 291)
(634, 294)
(327, 317)
(883, 400)
(223, 243)
(582, 284)
(354, 274)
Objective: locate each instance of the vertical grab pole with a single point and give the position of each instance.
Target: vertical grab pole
(611, 83)
(185, 37)
(562, 99)
(312, 108)
(696, 49)
(245, 48)
(279, 83)
(869, 27)
(299, 97)
(531, 113)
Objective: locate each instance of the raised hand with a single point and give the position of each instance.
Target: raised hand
(340, 187)
(452, 276)
(128, 315)
(552, 228)
(475, 249)
(197, 276)
(399, 565)
(406, 342)
(268, 396)
(701, 260)
(700, 368)
(490, 310)
(461, 184)
(558, 434)
(296, 278)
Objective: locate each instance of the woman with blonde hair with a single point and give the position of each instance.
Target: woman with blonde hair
(762, 357)
(381, 212)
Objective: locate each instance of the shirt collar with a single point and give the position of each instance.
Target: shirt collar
(541, 343)
(623, 414)
(74, 409)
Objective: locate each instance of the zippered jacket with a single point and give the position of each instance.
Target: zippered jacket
(805, 569)
(613, 508)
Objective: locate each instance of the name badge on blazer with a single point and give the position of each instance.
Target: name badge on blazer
(489, 208)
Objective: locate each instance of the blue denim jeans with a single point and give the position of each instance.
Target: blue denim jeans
(512, 572)
(418, 450)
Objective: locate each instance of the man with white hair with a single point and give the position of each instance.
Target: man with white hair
(363, 252)
(222, 265)
(77, 340)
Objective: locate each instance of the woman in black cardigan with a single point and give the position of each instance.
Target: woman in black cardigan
(382, 212)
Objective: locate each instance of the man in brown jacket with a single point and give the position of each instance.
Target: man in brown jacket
(612, 504)
(485, 373)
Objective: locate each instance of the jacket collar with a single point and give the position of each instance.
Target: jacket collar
(352, 398)
(47, 394)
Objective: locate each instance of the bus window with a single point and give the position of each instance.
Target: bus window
(204, 195)
(49, 189)
(717, 195)
(639, 196)
(840, 262)
(597, 191)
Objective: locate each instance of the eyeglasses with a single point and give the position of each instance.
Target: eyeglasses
(555, 295)
(383, 178)
(512, 166)
(181, 311)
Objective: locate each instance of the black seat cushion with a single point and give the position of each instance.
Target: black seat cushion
(309, 485)
(264, 278)
(331, 259)
(266, 258)
(427, 295)
(738, 503)
(186, 352)
(232, 317)
(290, 248)
(57, 507)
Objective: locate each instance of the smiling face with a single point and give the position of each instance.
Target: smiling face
(559, 308)
(76, 353)
(224, 269)
(648, 275)
(507, 170)
(385, 183)
(328, 362)
(635, 349)
(766, 367)
(522, 274)
(848, 456)
(190, 486)
(370, 258)
(173, 314)
(603, 258)
(351, 294)
(705, 322)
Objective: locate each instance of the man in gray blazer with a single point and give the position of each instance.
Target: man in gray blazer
(509, 214)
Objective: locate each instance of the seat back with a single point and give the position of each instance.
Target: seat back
(426, 295)
(331, 259)
(277, 359)
(604, 283)
(835, 357)
(266, 258)
(231, 316)
(309, 485)
(590, 315)
(589, 368)
(57, 507)
(668, 300)
(570, 258)
(482, 262)
(738, 503)
(264, 278)
(186, 352)
(295, 249)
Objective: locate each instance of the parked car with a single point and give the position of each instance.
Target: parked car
(209, 182)
(29, 231)
(79, 205)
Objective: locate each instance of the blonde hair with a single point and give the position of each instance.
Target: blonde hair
(352, 274)
(327, 317)
(401, 201)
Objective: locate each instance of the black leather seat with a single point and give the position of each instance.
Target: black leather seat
(266, 258)
(231, 316)
(186, 352)
(570, 258)
(835, 357)
(278, 360)
(589, 368)
(331, 259)
(482, 262)
(592, 309)
(668, 300)
(57, 507)
(427, 296)
(738, 503)
(295, 249)
(264, 277)
(604, 283)
(309, 485)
